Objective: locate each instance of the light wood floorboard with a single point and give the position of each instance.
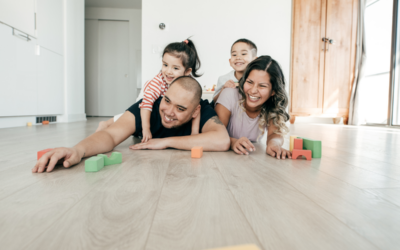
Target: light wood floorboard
(197, 209)
(163, 199)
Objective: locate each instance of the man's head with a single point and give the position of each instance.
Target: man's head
(243, 51)
(181, 102)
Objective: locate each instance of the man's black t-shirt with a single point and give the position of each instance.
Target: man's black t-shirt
(156, 127)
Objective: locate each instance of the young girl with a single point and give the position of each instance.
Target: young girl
(258, 104)
(178, 59)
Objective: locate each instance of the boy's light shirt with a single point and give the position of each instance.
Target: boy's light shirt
(223, 79)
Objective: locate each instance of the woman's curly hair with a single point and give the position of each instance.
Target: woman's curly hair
(274, 109)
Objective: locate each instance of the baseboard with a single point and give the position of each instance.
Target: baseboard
(18, 121)
(72, 117)
(21, 121)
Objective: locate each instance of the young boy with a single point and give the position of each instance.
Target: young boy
(243, 51)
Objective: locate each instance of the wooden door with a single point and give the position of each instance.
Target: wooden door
(308, 57)
(341, 25)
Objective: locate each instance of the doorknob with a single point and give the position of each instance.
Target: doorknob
(331, 41)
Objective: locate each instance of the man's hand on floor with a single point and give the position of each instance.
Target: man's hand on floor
(69, 157)
(152, 144)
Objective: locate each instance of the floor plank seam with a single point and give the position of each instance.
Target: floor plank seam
(158, 201)
(383, 198)
(237, 203)
(333, 158)
(18, 190)
(310, 199)
(60, 216)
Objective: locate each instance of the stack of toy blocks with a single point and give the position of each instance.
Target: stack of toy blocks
(306, 147)
(95, 163)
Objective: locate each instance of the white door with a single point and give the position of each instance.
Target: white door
(107, 69)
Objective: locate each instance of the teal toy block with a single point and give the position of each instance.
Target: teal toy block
(94, 164)
(115, 158)
(313, 145)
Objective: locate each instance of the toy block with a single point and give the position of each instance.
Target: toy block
(298, 143)
(242, 247)
(94, 164)
(292, 137)
(197, 152)
(314, 146)
(42, 152)
(29, 124)
(115, 158)
(298, 152)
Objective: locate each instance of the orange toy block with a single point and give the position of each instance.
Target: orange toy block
(298, 144)
(41, 153)
(197, 152)
(297, 152)
(45, 122)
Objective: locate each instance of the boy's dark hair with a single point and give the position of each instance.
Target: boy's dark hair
(248, 42)
(187, 53)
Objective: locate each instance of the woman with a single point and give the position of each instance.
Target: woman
(258, 104)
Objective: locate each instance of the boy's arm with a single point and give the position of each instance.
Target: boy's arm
(99, 142)
(214, 137)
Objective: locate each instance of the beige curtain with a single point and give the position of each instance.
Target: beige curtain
(359, 67)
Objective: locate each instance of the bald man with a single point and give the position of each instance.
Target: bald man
(170, 126)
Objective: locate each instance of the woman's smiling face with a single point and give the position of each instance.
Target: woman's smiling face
(258, 89)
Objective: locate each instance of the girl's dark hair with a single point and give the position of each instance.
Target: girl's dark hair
(187, 53)
(274, 109)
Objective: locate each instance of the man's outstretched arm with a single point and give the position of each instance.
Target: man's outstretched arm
(214, 137)
(99, 142)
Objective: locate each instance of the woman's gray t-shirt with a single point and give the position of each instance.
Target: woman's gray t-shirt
(240, 124)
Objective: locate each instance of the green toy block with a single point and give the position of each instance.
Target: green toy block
(313, 145)
(115, 158)
(94, 164)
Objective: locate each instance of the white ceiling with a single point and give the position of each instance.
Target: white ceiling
(122, 4)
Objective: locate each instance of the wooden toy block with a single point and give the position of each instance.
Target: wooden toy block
(94, 164)
(292, 137)
(313, 145)
(29, 124)
(197, 152)
(298, 143)
(45, 122)
(241, 247)
(42, 152)
(298, 152)
(115, 158)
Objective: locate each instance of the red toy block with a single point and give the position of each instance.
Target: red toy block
(298, 144)
(45, 122)
(41, 153)
(297, 152)
(197, 152)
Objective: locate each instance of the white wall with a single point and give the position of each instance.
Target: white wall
(74, 75)
(214, 26)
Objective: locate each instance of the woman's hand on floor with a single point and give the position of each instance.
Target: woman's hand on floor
(68, 157)
(275, 150)
(242, 146)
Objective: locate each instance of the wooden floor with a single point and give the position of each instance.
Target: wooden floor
(348, 199)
